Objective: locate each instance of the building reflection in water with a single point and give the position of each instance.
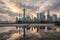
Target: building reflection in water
(39, 31)
(36, 29)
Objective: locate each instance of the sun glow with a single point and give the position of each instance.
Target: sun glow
(12, 6)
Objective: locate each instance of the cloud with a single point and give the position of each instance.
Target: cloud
(13, 7)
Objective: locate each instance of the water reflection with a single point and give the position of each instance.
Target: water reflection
(13, 33)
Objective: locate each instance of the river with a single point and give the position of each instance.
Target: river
(31, 33)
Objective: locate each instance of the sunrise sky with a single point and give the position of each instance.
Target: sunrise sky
(9, 9)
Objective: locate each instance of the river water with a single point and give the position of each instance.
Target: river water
(31, 33)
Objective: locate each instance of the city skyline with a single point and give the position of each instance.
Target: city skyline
(29, 19)
(9, 9)
(40, 18)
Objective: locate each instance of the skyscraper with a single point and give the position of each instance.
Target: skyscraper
(49, 18)
(28, 19)
(42, 17)
(38, 17)
(54, 17)
(16, 19)
(35, 19)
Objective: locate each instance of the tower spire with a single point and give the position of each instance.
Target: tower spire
(24, 11)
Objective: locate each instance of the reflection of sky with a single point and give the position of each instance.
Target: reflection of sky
(6, 29)
(9, 9)
(15, 35)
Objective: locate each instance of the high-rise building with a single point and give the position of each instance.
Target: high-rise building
(42, 17)
(16, 19)
(35, 19)
(49, 18)
(28, 19)
(58, 19)
(38, 17)
(54, 17)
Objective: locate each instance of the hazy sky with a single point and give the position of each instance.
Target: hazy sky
(9, 9)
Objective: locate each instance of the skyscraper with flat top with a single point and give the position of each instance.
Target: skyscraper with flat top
(42, 17)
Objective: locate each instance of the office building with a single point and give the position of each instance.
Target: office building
(54, 17)
(28, 19)
(42, 17)
(38, 17)
(49, 18)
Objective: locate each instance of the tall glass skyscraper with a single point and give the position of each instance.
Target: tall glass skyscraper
(42, 17)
